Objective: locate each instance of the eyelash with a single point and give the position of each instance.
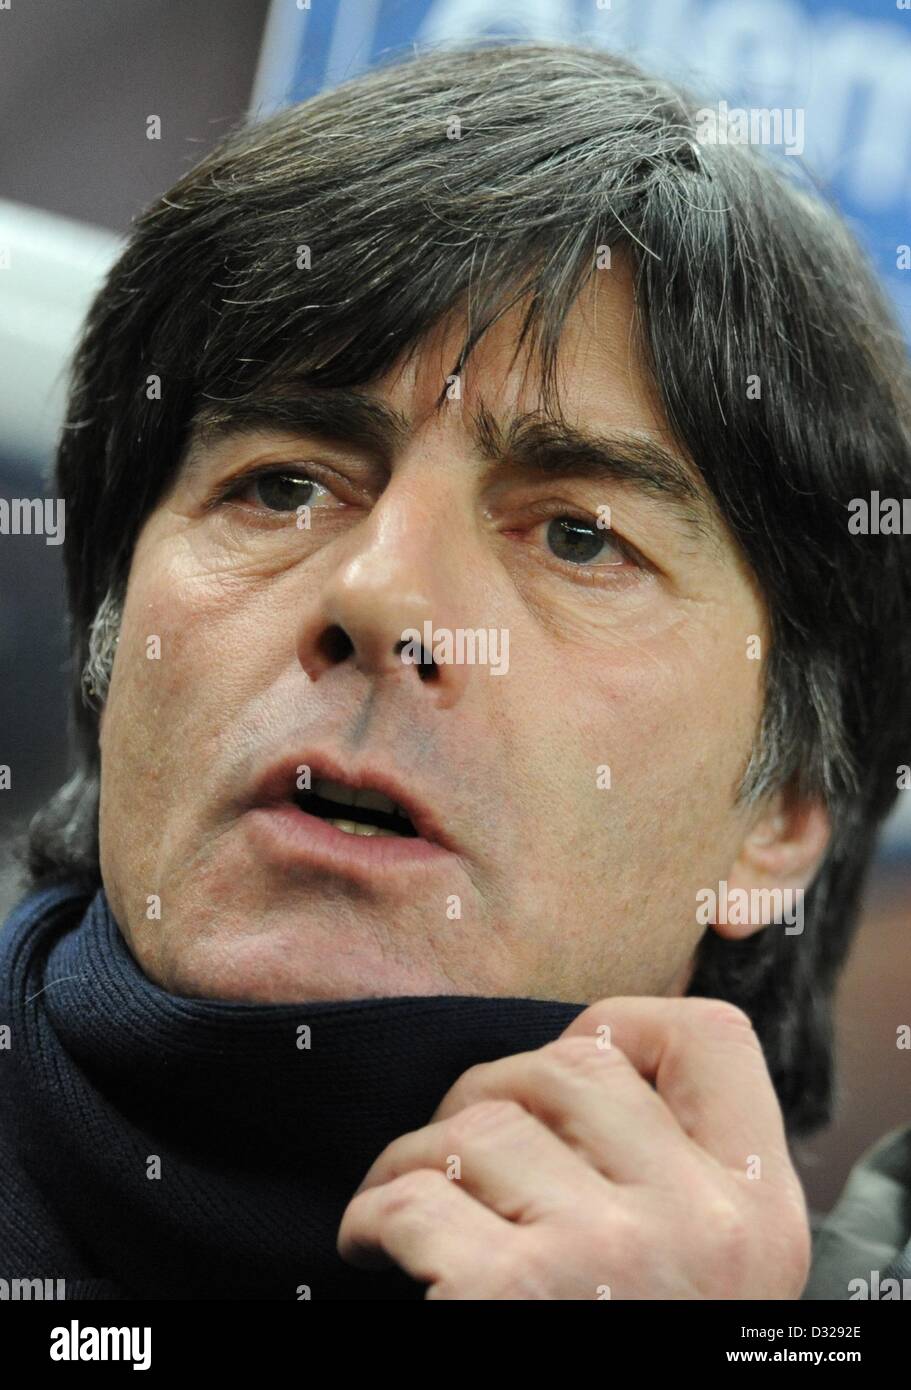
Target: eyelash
(233, 487)
(590, 573)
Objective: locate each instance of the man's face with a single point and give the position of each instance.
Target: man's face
(585, 793)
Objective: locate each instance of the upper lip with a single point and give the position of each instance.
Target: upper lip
(279, 783)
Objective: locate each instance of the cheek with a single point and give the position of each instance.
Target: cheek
(676, 736)
(168, 696)
(673, 720)
(188, 637)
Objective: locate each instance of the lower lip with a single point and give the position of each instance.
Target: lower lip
(290, 838)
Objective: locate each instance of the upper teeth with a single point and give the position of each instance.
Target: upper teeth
(351, 796)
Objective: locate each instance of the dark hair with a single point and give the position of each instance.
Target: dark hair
(739, 271)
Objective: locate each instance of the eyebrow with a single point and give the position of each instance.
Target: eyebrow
(545, 447)
(336, 413)
(531, 443)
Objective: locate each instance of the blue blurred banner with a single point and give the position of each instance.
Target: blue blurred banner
(840, 75)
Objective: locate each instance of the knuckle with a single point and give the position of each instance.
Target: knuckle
(730, 1229)
(719, 1014)
(524, 1271)
(408, 1190)
(472, 1078)
(579, 1054)
(621, 1235)
(594, 1015)
(472, 1085)
(492, 1113)
(732, 1235)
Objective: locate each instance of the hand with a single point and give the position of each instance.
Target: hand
(653, 1167)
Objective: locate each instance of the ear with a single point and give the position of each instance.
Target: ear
(783, 848)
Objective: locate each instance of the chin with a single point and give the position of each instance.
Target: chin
(270, 970)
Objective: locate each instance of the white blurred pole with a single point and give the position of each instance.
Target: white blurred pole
(283, 37)
(50, 269)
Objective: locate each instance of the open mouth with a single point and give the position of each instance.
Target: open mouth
(355, 810)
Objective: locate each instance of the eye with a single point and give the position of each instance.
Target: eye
(278, 490)
(580, 541)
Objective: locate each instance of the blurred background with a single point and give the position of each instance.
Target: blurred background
(79, 80)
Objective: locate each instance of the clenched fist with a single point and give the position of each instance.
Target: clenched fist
(640, 1155)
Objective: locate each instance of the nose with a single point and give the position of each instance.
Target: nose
(398, 572)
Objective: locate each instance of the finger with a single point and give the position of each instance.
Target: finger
(503, 1156)
(594, 1099)
(426, 1224)
(707, 1064)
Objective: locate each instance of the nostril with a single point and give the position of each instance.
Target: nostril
(335, 645)
(427, 668)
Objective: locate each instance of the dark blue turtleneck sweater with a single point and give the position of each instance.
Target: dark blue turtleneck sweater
(154, 1146)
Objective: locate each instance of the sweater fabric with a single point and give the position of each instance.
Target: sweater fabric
(155, 1146)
